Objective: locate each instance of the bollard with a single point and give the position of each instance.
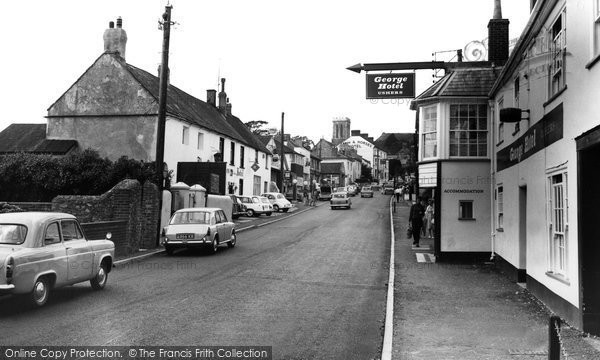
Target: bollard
(553, 341)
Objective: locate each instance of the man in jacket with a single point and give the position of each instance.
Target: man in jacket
(415, 219)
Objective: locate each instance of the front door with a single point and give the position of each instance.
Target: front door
(522, 272)
(589, 235)
(79, 253)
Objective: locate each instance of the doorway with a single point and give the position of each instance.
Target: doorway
(588, 236)
(522, 271)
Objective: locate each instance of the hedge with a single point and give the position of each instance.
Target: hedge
(36, 177)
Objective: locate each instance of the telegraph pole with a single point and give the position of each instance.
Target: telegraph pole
(162, 111)
(282, 156)
(162, 96)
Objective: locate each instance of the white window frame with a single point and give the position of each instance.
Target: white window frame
(185, 135)
(558, 224)
(468, 130)
(429, 131)
(200, 144)
(595, 38)
(500, 205)
(558, 51)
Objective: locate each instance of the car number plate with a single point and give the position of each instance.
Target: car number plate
(184, 236)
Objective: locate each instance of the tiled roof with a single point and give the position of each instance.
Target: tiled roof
(21, 137)
(184, 106)
(55, 147)
(461, 83)
(32, 138)
(392, 143)
(332, 168)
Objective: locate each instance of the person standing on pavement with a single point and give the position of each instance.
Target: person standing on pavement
(429, 219)
(397, 193)
(415, 219)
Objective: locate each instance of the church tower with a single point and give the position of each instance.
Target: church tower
(341, 130)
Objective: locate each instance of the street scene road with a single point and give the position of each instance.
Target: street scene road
(304, 285)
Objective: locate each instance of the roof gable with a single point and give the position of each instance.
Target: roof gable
(105, 88)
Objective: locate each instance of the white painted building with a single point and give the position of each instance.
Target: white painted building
(366, 148)
(546, 174)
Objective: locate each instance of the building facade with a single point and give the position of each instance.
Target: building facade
(546, 131)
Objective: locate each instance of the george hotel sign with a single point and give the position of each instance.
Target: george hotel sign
(391, 86)
(541, 134)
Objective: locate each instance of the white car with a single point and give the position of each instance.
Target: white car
(198, 227)
(256, 205)
(278, 201)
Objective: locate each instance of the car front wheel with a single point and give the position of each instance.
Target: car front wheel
(275, 208)
(250, 213)
(41, 291)
(99, 281)
(285, 210)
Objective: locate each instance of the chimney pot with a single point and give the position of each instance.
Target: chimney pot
(115, 40)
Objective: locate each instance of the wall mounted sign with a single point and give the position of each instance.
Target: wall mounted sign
(541, 134)
(391, 86)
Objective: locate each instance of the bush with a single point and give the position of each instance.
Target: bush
(35, 177)
(8, 208)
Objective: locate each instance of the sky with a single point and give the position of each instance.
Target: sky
(277, 56)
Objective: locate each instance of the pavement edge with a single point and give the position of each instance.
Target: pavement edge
(388, 332)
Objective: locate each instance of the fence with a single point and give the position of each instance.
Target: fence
(554, 341)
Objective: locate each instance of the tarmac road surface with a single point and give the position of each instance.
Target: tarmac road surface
(310, 286)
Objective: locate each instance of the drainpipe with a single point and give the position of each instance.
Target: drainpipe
(492, 106)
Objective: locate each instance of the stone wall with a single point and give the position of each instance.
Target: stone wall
(127, 201)
(34, 206)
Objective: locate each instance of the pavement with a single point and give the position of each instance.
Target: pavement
(460, 310)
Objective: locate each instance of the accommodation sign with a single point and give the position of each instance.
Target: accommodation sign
(543, 133)
(391, 86)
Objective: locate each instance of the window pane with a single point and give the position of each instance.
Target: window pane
(482, 124)
(482, 150)
(463, 149)
(453, 149)
(453, 111)
(482, 111)
(472, 111)
(463, 111)
(453, 123)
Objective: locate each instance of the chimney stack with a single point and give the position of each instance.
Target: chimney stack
(211, 97)
(228, 108)
(115, 39)
(223, 97)
(354, 132)
(498, 37)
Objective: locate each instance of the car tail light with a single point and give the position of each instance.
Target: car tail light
(10, 264)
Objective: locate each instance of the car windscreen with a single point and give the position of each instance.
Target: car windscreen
(13, 234)
(191, 217)
(325, 189)
(366, 188)
(265, 201)
(280, 196)
(339, 196)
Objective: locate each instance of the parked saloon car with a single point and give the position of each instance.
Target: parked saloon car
(238, 208)
(278, 201)
(256, 205)
(388, 190)
(340, 199)
(40, 251)
(198, 228)
(366, 192)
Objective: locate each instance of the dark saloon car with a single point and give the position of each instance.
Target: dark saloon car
(238, 207)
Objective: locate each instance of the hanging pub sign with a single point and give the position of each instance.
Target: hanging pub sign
(391, 86)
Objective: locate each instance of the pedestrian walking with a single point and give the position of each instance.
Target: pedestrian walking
(415, 219)
(397, 193)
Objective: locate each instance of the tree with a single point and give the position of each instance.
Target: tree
(257, 127)
(366, 174)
